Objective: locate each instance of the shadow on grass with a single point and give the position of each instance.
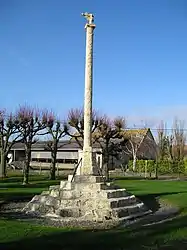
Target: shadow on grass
(160, 178)
(30, 185)
(17, 196)
(136, 238)
(153, 237)
(152, 200)
(19, 179)
(121, 178)
(19, 192)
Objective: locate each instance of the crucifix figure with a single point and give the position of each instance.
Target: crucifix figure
(89, 17)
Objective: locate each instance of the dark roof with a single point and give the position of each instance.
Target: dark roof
(42, 144)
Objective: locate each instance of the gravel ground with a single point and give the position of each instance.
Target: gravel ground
(14, 210)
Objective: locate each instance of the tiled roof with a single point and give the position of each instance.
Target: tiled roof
(130, 132)
(42, 144)
(72, 144)
(69, 145)
(142, 132)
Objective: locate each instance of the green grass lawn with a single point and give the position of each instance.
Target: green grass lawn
(170, 235)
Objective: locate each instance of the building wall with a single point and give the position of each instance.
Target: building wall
(60, 155)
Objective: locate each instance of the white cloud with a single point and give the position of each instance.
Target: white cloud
(153, 117)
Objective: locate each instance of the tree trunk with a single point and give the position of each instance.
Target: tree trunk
(178, 166)
(3, 165)
(134, 163)
(106, 162)
(156, 170)
(26, 166)
(53, 165)
(106, 171)
(145, 169)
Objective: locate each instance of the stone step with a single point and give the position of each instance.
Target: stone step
(114, 193)
(129, 210)
(88, 179)
(122, 201)
(45, 192)
(132, 217)
(54, 187)
(54, 192)
(45, 200)
(69, 194)
(91, 187)
(69, 203)
(109, 186)
(38, 207)
(68, 212)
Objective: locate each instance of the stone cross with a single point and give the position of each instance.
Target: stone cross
(87, 156)
(89, 17)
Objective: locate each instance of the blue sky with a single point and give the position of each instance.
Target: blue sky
(140, 56)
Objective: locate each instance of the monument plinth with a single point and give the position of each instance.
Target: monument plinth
(87, 200)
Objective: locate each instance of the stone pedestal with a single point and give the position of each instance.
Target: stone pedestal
(87, 201)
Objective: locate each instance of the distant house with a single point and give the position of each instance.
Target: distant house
(145, 142)
(67, 156)
(141, 143)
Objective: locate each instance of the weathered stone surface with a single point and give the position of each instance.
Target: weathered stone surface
(69, 194)
(45, 193)
(88, 179)
(55, 193)
(95, 201)
(122, 201)
(69, 212)
(54, 187)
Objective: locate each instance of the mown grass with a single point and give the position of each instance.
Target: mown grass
(171, 235)
(170, 192)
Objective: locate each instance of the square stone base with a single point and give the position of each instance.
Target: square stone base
(88, 198)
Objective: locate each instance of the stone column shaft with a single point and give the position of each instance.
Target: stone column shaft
(87, 166)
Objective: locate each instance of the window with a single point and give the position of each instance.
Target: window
(41, 160)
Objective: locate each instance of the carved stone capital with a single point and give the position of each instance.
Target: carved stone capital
(93, 26)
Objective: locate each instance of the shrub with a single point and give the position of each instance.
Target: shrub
(163, 167)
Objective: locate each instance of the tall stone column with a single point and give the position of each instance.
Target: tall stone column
(87, 163)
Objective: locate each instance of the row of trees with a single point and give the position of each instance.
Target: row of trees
(27, 124)
(171, 147)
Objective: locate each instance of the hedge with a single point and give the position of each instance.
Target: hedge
(162, 167)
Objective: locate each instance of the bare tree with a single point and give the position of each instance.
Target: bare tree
(138, 139)
(164, 142)
(56, 131)
(74, 126)
(132, 146)
(107, 135)
(178, 139)
(9, 135)
(30, 123)
(103, 131)
(178, 143)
